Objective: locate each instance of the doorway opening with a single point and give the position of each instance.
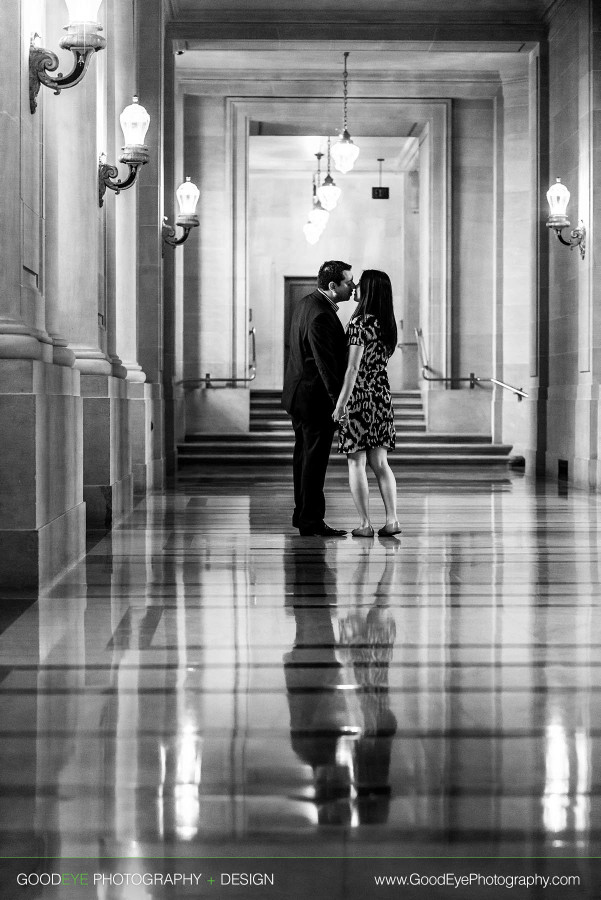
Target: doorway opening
(294, 289)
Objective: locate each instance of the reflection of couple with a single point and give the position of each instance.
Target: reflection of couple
(341, 723)
(326, 384)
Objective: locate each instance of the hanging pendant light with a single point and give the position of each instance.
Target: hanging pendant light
(319, 215)
(328, 193)
(344, 151)
(312, 233)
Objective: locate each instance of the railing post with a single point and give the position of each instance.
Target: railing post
(207, 380)
(472, 380)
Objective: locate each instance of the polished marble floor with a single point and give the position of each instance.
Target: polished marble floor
(207, 683)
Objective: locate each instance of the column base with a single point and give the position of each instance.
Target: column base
(42, 517)
(146, 428)
(107, 479)
(108, 504)
(36, 558)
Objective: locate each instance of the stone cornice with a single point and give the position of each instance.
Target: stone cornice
(332, 84)
(218, 26)
(296, 14)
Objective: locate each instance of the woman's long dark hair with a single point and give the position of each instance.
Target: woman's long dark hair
(375, 299)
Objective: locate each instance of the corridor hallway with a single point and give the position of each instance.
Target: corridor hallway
(206, 683)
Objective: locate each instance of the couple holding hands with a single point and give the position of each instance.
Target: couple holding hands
(339, 380)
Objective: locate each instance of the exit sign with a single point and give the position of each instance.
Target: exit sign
(380, 193)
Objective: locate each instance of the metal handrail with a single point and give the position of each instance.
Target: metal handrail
(208, 380)
(472, 378)
(508, 387)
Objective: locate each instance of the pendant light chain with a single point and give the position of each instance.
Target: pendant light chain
(328, 192)
(345, 89)
(344, 151)
(319, 155)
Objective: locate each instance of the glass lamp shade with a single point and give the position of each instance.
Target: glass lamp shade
(345, 153)
(187, 196)
(319, 216)
(134, 122)
(83, 10)
(329, 193)
(312, 233)
(558, 196)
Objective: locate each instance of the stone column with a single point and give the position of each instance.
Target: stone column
(41, 507)
(150, 31)
(122, 249)
(410, 317)
(18, 339)
(572, 421)
(594, 227)
(121, 88)
(515, 286)
(77, 289)
(173, 262)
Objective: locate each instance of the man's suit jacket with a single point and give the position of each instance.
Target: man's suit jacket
(317, 360)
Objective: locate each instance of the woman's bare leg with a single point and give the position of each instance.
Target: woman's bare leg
(357, 477)
(377, 458)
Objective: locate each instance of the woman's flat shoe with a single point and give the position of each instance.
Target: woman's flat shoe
(366, 531)
(389, 530)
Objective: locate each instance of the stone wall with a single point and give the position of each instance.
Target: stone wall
(574, 285)
(77, 415)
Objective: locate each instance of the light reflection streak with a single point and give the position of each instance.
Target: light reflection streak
(558, 803)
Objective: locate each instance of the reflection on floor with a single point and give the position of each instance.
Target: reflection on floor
(207, 682)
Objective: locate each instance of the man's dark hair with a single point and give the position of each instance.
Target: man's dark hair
(332, 270)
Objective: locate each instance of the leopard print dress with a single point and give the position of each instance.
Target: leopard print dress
(370, 415)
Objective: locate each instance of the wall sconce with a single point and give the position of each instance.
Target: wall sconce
(82, 39)
(134, 123)
(187, 196)
(559, 196)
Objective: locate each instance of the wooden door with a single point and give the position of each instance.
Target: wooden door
(294, 289)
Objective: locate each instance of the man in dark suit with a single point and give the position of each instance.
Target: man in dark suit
(312, 383)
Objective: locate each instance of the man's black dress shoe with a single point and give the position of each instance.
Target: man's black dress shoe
(322, 530)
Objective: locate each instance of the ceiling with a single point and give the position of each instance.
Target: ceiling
(429, 22)
(282, 48)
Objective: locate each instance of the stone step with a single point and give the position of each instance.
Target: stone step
(286, 437)
(269, 423)
(277, 395)
(270, 441)
(409, 459)
(276, 407)
(274, 400)
(281, 414)
(219, 451)
(405, 423)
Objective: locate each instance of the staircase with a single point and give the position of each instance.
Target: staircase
(271, 439)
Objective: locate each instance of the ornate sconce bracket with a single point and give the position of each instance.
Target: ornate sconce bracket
(107, 174)
(577, 235)
(43, 61)
(187, 223)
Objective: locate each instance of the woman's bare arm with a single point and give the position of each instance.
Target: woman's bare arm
(354, 361)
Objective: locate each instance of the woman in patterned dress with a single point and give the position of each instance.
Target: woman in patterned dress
(364, 409)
